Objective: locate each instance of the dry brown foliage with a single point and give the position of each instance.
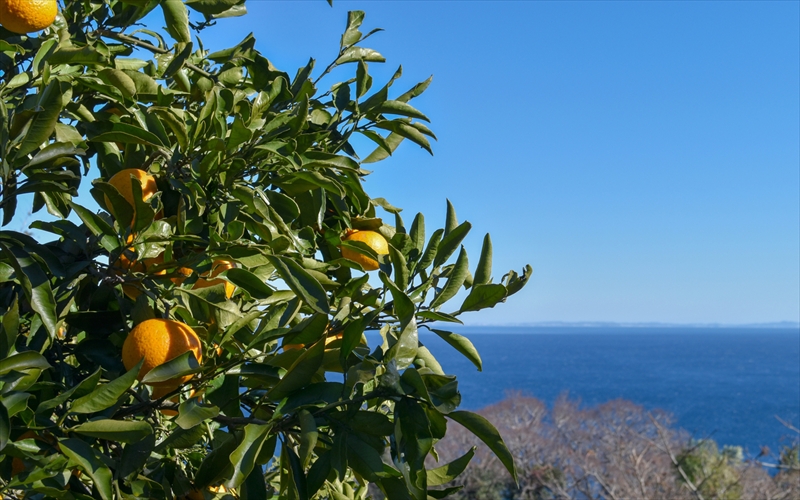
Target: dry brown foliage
(614, 451)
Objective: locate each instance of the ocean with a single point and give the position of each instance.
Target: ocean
(727, 384)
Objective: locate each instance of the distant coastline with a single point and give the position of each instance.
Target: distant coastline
(789, 325)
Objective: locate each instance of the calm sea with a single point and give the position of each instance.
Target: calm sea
(723, 383)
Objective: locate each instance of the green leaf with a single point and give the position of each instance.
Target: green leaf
(36, 284)
(98, 227)
(244, 456)
(400, 268)
(86, 386)
(462, 345)
(438, 316)
(254, 285)
(417, 234)
(55, 150)
(403, 306)
(185, 364)
(308, 435)
(450, 243)
(5, 426)
(483, 273)
(448, 472)
(406, 130)
(106, 395)
(177, 18)
(431, 250)
(128, 134)
(124, 431)
(451, 221)
(302, 283)
(119, 80)
(487, 433)
(483, 296)
(216, 464)
(24, 361)
(135, 455)
(386, 146)
(192, 412)
(354, 54)
(454, 282)
(80, 453)
(301, 373)
(352, 35)
(400, 108)
(48, 108)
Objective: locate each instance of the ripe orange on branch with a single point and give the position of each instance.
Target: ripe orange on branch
(26, 16)
(374, 240)
(122, 181)
(218, 267)
(158, 341)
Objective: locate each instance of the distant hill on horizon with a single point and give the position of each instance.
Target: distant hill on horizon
(608, 324)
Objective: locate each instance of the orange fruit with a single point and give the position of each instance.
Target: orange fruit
(374, 240)
(26, 16)
(158, 341)
(217, 267)
(196, 494)
(122, 181)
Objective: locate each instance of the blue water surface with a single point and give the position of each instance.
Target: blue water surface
(723, 383)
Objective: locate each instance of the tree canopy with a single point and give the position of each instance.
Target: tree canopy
(254, 168)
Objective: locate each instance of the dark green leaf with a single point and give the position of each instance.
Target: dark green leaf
(483, 296)
(462, 345)
(302, 283)
(487, 433)
(92, 464)
(23, 361)
(106, 395)
(185, 364)
(124, 431)
(177, 18)
(448, 472)
(308, 435)
(354, 54)
(300, 373)
(483, 273)
(244, 456)
(250, 282)
(454, 282)
(450, 243)
(193, 412)
(48, 108)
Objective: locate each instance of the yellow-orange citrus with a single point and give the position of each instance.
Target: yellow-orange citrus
(26, 16)
(122, 181)
(374, 240)
(197, 494)
(218, 267)
(158, 341)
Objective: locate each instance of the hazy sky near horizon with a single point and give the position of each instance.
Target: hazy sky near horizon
(643, 157)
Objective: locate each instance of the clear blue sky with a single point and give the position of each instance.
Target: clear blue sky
(643, 157)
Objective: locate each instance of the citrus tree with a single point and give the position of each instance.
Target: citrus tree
(202, 332)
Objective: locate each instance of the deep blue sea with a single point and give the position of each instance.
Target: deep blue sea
(724, 383)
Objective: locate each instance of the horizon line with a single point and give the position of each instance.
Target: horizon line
(631, 324)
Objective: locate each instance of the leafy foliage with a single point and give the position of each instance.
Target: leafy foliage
(254, 167)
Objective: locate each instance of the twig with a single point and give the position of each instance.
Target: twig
(675, 460)
(149, 46)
